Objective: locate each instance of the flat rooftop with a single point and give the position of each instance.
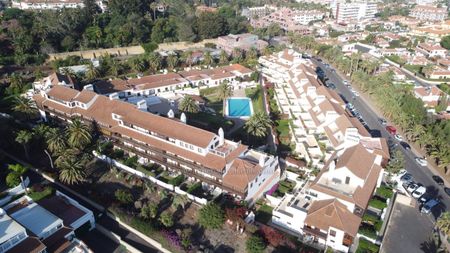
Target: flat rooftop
(62, 208)
(36, 219)
(8, 227)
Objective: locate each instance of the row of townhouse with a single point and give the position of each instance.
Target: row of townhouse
(428, 13)
(160, 83)
(327, 210)
(319, 116)
(46, 226)
(53, 4)
(220, 164)
(289, 19)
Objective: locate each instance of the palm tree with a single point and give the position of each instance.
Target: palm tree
(24, 137)
(115, 68)
(56, 141)
(71, 171)
(252, 53)
(78, 134)
(92, 73)
(24, 106)
(154, 62)
(258, 124)
(16, 82)
(224, 90)
(154, 6)
(237, 54)
(427, 70)
(187, 57)
(208, 59)
(180, 200)
(223, 58)
(68, 72)
(137, 64)
(188, 104)
(443, 223)
(172, 61)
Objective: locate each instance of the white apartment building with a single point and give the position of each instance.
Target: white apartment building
(52, 4)
(429, 13)
(348, 12)
(305, 17)
(431, 50)
(321, 124)
(328, 210)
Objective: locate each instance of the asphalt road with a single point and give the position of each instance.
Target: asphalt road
(421, 174)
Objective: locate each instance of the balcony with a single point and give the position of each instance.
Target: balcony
(348, 240)
(314, 232)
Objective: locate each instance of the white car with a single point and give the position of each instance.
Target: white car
(412, 187)
(355, 93)
(421, 161)
(398, 137)
(419, 192)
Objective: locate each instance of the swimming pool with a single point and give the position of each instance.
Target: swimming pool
(239, 107)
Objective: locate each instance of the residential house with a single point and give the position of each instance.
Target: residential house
(431, 50)
(329, 209)
(244, 42)
(430, 96)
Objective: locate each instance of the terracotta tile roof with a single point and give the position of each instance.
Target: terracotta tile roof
(29, 245)
(241, 172)
(63, 93)
(57, 242)
(358, 160)
(62, 209)
(331, 213)
(85, 96)
(57, 78)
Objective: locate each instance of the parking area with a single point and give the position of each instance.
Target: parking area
(408, 229)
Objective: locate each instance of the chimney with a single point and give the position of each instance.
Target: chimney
(114, 96)
(89, 87)
(142, 105)
(183, 118)
(221, 137)
(170, 114)
(262, 159)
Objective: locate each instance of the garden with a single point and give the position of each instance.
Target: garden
(364, 246)
(257, 97)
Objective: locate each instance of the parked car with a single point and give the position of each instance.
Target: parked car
(429, 205)
(419, 192)
(438, 180)
(391, 130)
(406, 179)
(447, 190)
(412, 187)
(421, 161)
(405, 145)
(398, 137)
(382, 121)
(425, 198)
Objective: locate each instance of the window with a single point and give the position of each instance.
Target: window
(332, 233)
(347, 180)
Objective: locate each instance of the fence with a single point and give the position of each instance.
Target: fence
(167, 186)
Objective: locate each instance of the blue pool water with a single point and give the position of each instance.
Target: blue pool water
(239, 107)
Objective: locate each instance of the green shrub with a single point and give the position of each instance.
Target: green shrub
(12, 179)
(195, 189)
(368, 231)
(124, 196)
(150, 47)
(210, 45)
(176, 181)
(38, 195)
(255, 244)
(364, 246)
(131, 162)
(211, 216)
(368, 218)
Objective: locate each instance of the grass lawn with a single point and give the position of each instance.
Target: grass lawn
(283, 187)
(38, 195)
(256, 94)
(283, 127)
(209, 121)
(385, 192)
(264, 214)
(365, 246)
(376, 203)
